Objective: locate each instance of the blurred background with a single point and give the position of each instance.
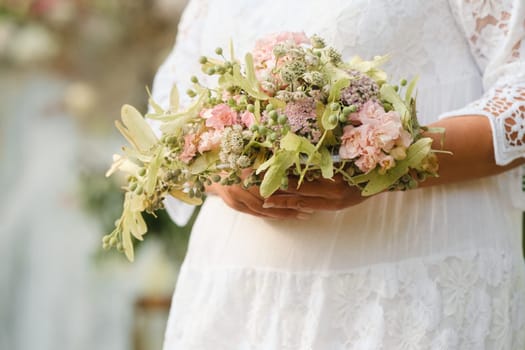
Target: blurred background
(66, 67)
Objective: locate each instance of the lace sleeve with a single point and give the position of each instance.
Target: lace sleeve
(495, 30)
(177, 69)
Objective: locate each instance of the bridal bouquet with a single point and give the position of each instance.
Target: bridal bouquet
(293, 107)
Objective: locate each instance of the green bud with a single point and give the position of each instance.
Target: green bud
(194, 79)
(243, 100)
(262, 130)
(216, 178)
(273, 115)
(120, 247)
(113, 241)
(282, 119)
(273, 136)
(105, 246)
(353, 108)
(396, 88)
(191, 193)
(203, 60)
(403, 82)
(210, 71)
(347, 111)
(198, 194)
(218, 51)
(269, 107)
(190, 93)
(142, 171)
(333, 119)
(220, 69)
(133, 186)
(139, 190)
(334, 106)
(105, 239)
(250, 108)
(254, 128)
(342, 118)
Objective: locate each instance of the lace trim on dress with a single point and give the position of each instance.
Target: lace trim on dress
(495, 30)
(447, 302)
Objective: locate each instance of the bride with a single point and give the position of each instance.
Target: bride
(440, 267)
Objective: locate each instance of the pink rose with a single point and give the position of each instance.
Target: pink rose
(248, 119)
(189, 150)
(219, 116)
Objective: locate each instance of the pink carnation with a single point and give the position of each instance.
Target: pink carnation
(370, 142)
(190, 149)
(219, 116)
(210, 140)
(248, 119)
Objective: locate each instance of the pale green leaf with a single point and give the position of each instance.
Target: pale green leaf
(174, 99)
(151, 175)
(389, 94)
(415, 155)
(183, 196)
(136, 129)
(327, 165)
(156, 107)
(276, 172)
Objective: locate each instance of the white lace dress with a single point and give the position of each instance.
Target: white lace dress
(433, 268)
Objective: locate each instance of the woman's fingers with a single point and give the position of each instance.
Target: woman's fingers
(303, 203)
(250, 202)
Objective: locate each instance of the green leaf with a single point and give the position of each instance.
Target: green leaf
(325, 120)
(276, 172)
(174, 99)
(203, 162)
(136, 130)
(335, 90)
(151, 175)
(183, 196)
(410, 90)
(327, 165)
(156, 107)
(378, 183)
(389, 94)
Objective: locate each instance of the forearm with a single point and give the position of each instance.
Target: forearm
(469, 138)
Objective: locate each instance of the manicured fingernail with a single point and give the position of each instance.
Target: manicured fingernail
(268, 205)
(303, 216)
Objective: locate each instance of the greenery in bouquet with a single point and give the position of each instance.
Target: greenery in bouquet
(293, 107)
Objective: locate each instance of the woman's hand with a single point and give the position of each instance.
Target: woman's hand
(315, 195)
(249, 201)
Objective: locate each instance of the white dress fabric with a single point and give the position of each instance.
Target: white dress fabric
(432, 268)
